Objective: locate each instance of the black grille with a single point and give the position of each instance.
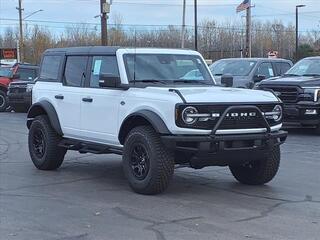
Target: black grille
(17, 90)
(230, 122)
(286, 93)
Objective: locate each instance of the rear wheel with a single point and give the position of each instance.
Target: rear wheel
(147, 163)
(3, 101)
(258, 172)
(43, 144)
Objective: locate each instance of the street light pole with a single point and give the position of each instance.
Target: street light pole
(196, 25)
(33, 13)
(297, 30)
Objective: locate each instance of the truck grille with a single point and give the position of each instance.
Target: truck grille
(285, 93)
(233, 122)
(17, 90)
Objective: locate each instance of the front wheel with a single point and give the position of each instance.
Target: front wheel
(43, 144)
(258, 172)
(3, 101)
(147, 163)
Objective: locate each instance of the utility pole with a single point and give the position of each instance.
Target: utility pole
(297, 30)
(195, 25)
(248, 33)
(183, 30)
(104, 9)
(21, 44)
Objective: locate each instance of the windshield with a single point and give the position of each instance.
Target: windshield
(5, 72)
(233, 67)
(306, 67)
(27, 74)
(167, 68)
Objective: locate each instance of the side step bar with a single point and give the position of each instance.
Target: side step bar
(89, 147)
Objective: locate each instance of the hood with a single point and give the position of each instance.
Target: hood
(225, 95)
(4, 81)
(296, 81)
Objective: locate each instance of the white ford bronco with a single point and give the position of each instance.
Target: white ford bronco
(155, 107)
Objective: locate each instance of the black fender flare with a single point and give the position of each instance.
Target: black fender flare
(41, 108)
(153, 118)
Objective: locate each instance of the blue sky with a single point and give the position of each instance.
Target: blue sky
(157, 12)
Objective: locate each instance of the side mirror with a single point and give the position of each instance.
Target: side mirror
(259, 78)
(16, 76)
(227, 80)
(109, 81)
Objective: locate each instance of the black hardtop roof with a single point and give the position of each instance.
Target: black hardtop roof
(83, 50)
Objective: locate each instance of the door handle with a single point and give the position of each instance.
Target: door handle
(59, 97)
(87, 99)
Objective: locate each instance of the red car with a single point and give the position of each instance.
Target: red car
(9, 74)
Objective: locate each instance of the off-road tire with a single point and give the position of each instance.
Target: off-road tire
(258, 172)
(3, 101)
(53, 155)
(161, 161)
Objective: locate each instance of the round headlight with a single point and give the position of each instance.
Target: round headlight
(187, 115)
(277, 113)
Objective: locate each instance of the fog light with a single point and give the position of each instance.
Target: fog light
(311, 112)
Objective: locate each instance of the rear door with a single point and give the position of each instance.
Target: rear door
(100, 106)
(68, 100)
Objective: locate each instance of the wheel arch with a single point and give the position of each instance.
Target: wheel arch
(142, 117)
(44, 108)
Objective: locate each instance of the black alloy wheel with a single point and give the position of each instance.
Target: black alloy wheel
(139, 161)
(39, 143)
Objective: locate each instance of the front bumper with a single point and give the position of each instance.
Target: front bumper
(295, 114)
(222, 150)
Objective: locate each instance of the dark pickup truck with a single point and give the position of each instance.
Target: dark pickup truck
(299, 89)
(19, 91)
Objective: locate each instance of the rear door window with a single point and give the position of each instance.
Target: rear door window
(50, 67)
(75, 70)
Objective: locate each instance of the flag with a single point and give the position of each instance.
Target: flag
(244, 6)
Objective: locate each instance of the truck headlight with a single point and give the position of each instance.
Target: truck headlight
(276, 114)
(313, 92)
(29, 87)
(189, 115)
(317, 95)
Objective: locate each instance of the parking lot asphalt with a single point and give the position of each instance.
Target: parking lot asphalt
(89, 198)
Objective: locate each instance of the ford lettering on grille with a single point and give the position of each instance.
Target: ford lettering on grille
(242, 114)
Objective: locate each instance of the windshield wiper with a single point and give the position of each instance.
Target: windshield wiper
(291, 75)
(149, 81)
(311, 75)
(218, 74)
(191, 81)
